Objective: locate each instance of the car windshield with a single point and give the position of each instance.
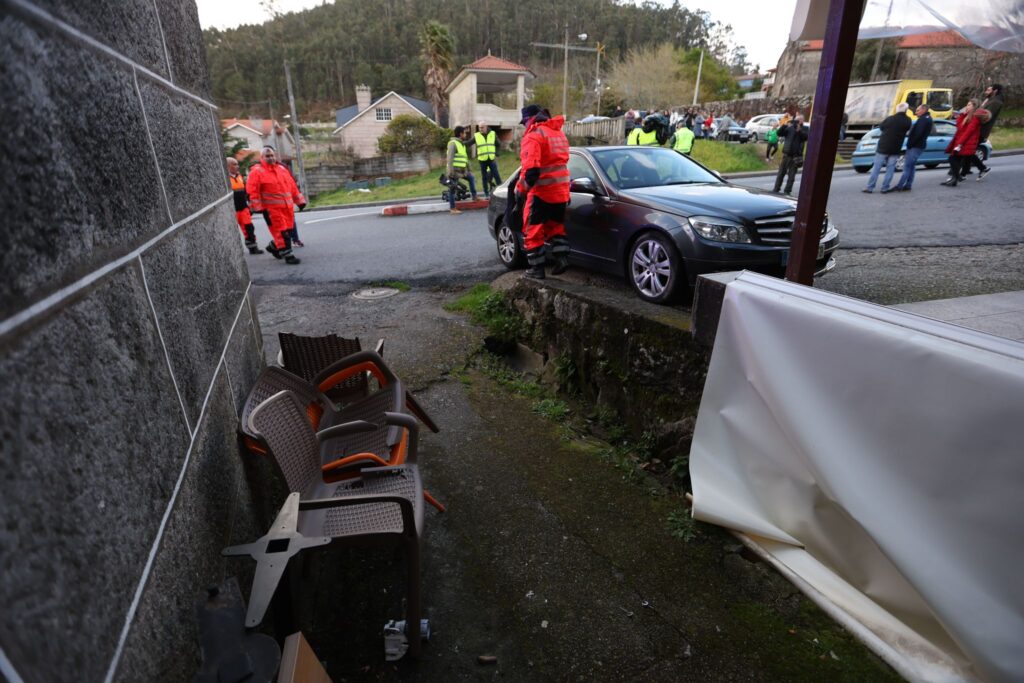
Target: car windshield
(650, 167)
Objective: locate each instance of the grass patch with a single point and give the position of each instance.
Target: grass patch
(393, 284)
(730, 157)
(1006, 138)
(682, 525)
(552, 409)
(418, 186)
(490, 310)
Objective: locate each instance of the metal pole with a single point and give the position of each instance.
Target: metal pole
(829, 102)
(565, 75)
(700, 66)
(597, 78)
(298, 130)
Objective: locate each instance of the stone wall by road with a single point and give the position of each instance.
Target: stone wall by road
(128, 341)
(324, 178)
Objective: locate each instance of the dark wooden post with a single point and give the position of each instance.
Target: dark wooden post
(829, 102)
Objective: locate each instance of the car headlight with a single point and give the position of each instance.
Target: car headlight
(719, 230)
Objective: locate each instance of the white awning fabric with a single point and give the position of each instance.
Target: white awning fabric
(878, 456)
(991, 24)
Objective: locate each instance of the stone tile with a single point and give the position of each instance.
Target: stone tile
(184, 40)
(197, 279)
(92, 439)
(128, 26)
(187, 150)
(163, 643)
(243, 359)
(75, 146)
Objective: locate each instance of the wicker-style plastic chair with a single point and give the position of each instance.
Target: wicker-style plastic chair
(383, 504)
(308, 356)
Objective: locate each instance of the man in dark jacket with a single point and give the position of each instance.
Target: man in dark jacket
(795, 135)
(890, 146)
(993, 101)
(917, 140)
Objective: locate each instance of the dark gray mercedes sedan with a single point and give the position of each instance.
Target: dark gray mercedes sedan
(661, 219)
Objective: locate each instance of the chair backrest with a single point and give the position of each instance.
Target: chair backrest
(274, 380)
(281, 421)
(307, 356)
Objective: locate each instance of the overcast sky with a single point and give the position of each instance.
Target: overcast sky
(761, 27)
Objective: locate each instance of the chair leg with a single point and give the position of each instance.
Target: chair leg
(413, 607)
(433, 501)
(413, 405)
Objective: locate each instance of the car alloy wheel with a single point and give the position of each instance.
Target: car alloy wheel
(509, 251)
(654, 268)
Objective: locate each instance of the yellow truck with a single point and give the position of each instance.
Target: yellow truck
(868, 103)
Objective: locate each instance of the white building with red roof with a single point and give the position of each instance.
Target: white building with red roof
(492, 90)
(260, 132)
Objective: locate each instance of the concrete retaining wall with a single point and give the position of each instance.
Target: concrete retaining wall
(128, 342)
(326, 178)
(744, 109)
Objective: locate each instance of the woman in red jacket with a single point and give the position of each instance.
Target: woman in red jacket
(964, 144)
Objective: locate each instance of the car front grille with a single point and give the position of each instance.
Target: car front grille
(777, 230)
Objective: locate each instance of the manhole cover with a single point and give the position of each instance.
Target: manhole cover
(371, 293)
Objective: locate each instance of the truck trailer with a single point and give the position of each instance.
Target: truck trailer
(867, 104)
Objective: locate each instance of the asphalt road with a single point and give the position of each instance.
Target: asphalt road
(358, 246)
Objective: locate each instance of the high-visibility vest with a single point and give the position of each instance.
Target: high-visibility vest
(238, 192)
(684, 140)
(460, 159)
(639, 137)
(485, 145)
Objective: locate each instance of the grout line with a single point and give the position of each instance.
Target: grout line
(148, 568)
(231, 386)
(163, 344)
(8, 670)
(163, 41)
(42, 306)
(34, 13)
(152, 147)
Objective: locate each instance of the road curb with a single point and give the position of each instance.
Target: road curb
(408, 209)
(378, 202)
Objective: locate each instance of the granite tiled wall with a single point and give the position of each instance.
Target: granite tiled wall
(127, 342)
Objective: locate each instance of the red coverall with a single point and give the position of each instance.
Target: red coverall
(242, 209)
(545, 150)
(272, 189)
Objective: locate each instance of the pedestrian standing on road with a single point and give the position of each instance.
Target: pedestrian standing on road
(458, 166)
(992, 102)
(964, 144)
(890, 146)
(794, 135)
(241, 199)
(273, 192)
(682, 140)
(917, 141)
(487, 154)
(772, 138)
(544, 180)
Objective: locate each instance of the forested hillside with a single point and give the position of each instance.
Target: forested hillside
(334, 47)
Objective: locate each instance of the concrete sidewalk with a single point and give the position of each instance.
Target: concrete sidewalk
(998, 314)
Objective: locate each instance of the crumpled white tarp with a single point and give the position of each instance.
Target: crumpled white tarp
(879, 456)
(991, 24)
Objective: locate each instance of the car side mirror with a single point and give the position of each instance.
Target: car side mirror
(585, 186)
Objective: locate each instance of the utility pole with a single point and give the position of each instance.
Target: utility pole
(565, 75)
(597, 77)
(696, 88)
(298, 133)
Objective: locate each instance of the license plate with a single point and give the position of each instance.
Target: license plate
(821, 254)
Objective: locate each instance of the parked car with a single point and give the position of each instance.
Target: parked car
(591, 118)
(661, 219)
(734, 133)
(759, 125)
(933, 155)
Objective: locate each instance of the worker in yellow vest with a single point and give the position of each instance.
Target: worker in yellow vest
(682, 140)
(458, 165)
(487, 154)
(646, 135)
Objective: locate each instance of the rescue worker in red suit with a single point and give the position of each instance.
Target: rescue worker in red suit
(242, 214)
(544, 181)
(273, 192)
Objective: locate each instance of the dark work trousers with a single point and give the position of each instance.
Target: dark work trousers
(969, 161)
(489, 176)
(773, 147)
(790, 164)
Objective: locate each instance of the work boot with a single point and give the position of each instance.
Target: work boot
(561, 265)
(454, 212)
(292, 260)
(253, 249)
(272, 250)
(535, 272)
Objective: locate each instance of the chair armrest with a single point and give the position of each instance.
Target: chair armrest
(409, 422)
(341, 463)
(408, 514)
(354, 427)
(353, 364)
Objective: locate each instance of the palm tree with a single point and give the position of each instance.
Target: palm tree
(437, 47)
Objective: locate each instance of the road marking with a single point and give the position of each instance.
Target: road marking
(348, 215)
